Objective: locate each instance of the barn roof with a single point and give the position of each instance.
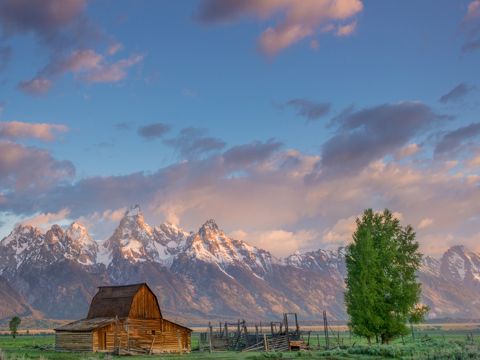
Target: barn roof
(111, 301)
(86, 324)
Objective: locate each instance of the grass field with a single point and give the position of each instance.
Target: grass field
(431, 342)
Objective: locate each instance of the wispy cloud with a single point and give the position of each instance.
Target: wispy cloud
(299, 19)
(454, 140)
(69, 36)
(153, 131)
(40, 131)
(194, 142)
(471, 27)
(458, 93)
(370, 134)
(308, 109)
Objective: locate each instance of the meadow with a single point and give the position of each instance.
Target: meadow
(430, 342)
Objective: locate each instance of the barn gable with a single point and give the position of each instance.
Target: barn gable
(136, 301)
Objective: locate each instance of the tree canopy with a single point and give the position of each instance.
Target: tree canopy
(13, 325)
(382, 290)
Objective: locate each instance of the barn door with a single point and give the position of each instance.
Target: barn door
(102, 340)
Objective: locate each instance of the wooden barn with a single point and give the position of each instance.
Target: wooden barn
(124, 319)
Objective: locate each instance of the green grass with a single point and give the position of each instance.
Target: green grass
(429, 344)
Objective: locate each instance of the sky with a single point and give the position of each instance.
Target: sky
(281, 119)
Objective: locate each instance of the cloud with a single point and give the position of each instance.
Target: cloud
(35, 86)
(266, 195)
(425, 223)
(458, 93)
(69, 37)
(286, 242)
(471, 27)
(308, 109)
(347, 30)
(252, 152)
(88, 65)
(298, 19)
(193, 142)
(40, 131)
(473, 11)
(29, 169)
(114, 72)
(370, 134)
(474, 162)
(452, 141)
(153, 131)
(471, 46)
(44, 18)
(407, 151)
(340, 234)
(45, 220)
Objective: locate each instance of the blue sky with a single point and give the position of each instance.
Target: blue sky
(206, 65)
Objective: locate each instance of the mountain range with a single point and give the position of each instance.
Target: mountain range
(201, 275)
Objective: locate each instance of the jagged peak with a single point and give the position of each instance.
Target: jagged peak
(209, 225)
(77, 225)
(133, 211)
(24, 228)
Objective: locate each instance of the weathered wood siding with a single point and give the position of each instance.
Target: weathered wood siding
(103, 338)
(144, 305)
(73, 341)
(155, 335)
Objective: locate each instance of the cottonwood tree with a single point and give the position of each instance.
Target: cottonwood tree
(382, 290)
(13, 325)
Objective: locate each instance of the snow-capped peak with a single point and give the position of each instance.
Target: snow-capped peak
(135, 241)
(209, 226)
(461, 264)
(134, 211)
(211, 245)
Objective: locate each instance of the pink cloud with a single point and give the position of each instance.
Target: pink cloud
(348, 29)
(36, 86)
(45, 220)
(301, 18)
(80, 60)
(114, 72)
(114, 48)
(18, 129)
(473, 10)
(28, 169)
(89, 65)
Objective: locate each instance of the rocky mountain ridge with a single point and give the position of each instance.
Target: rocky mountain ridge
(205, 274)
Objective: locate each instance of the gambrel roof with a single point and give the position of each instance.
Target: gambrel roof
(115, 301)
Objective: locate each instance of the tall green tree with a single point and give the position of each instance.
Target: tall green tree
(13, 325)
(381, 285)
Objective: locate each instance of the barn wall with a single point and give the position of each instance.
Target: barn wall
(157, 336)
(73, 341)
(109, 342)
(144, 305)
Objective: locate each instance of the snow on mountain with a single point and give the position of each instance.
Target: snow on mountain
(206, 267)
(211, 245)
(27, 244)
(430, 265)
(319, 261)
(135, 241)
(16, 248)
(461, 264)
